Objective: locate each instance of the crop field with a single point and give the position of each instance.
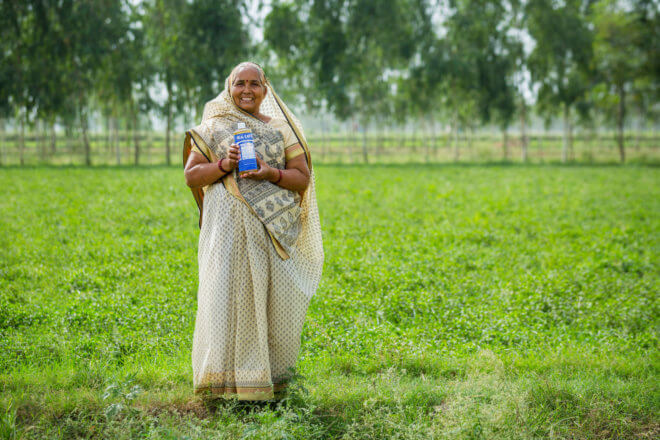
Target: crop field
(457, 302)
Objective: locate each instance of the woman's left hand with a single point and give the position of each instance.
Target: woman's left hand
(265, 171)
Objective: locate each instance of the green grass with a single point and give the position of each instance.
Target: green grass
(457, 301)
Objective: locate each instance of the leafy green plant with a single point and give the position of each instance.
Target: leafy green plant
(121, 394)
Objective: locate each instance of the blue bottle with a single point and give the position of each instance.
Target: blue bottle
(243, 138)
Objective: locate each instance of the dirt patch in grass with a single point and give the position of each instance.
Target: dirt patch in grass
(196, 407)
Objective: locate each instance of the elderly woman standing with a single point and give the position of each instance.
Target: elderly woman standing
(260, 250)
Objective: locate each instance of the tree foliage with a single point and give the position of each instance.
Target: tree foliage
(461, 61)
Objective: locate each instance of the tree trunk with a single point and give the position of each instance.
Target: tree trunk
(2, 141)
(590, 142)
(352, 137)
(68, 134)
(83, 126)
(597, 139)
(620, 119)
(115, 138)
(638, 132)
(108, 134)
(44, 140)
(53, 139)
(469, 137)
(324, 147)
(505, 144)
(566, 144)
(379, 141)
(434, 140)
(149, 141)
(426, 141)
(571, 150)
(135, 127)
(111, 136)
(413, 139)
(21, 137)
(38, 145)
(455, 130)
(169, 121)
(523, 130)
(365, 153)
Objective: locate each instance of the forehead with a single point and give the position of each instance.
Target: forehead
(247, 73)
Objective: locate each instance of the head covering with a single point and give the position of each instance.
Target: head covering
(272, 106)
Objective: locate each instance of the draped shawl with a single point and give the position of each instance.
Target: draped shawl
(291, 219)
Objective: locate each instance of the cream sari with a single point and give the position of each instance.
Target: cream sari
(260, 259)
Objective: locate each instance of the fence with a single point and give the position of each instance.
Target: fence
(347, 148)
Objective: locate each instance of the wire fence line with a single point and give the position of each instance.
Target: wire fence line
(149, 148)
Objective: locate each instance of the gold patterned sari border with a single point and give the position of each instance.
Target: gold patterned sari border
(243, 393)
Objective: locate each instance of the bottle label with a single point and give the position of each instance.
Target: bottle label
(245, 142)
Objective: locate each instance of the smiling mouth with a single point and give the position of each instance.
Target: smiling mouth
(247, 100)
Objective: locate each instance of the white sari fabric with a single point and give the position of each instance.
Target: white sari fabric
(260, 260)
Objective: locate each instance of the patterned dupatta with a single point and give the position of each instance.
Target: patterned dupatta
(290, 218)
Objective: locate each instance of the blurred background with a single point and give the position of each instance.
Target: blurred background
(119, 82)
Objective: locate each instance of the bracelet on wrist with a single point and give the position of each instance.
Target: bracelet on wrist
(220, 166)
(280, 177)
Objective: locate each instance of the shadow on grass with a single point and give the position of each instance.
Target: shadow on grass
(296, 411)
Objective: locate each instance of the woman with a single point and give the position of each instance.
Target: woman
(260, 250)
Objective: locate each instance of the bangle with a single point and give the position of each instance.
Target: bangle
(220, 166)
(280, 178)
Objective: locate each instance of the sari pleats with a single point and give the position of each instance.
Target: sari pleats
(251, 309)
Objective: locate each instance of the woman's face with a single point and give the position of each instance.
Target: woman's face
(247, 90)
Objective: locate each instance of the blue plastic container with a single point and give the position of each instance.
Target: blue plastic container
(243, 137)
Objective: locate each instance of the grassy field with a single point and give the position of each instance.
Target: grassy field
(458, 302)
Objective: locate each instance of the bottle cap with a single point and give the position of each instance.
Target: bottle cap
(241, 125)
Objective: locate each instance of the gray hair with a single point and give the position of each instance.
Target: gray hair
(234, 71)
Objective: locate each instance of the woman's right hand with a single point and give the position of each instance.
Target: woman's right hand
(233, 156)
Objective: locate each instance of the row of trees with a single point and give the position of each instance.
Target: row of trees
(473, 62)
(465, 62)
(64, 59)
